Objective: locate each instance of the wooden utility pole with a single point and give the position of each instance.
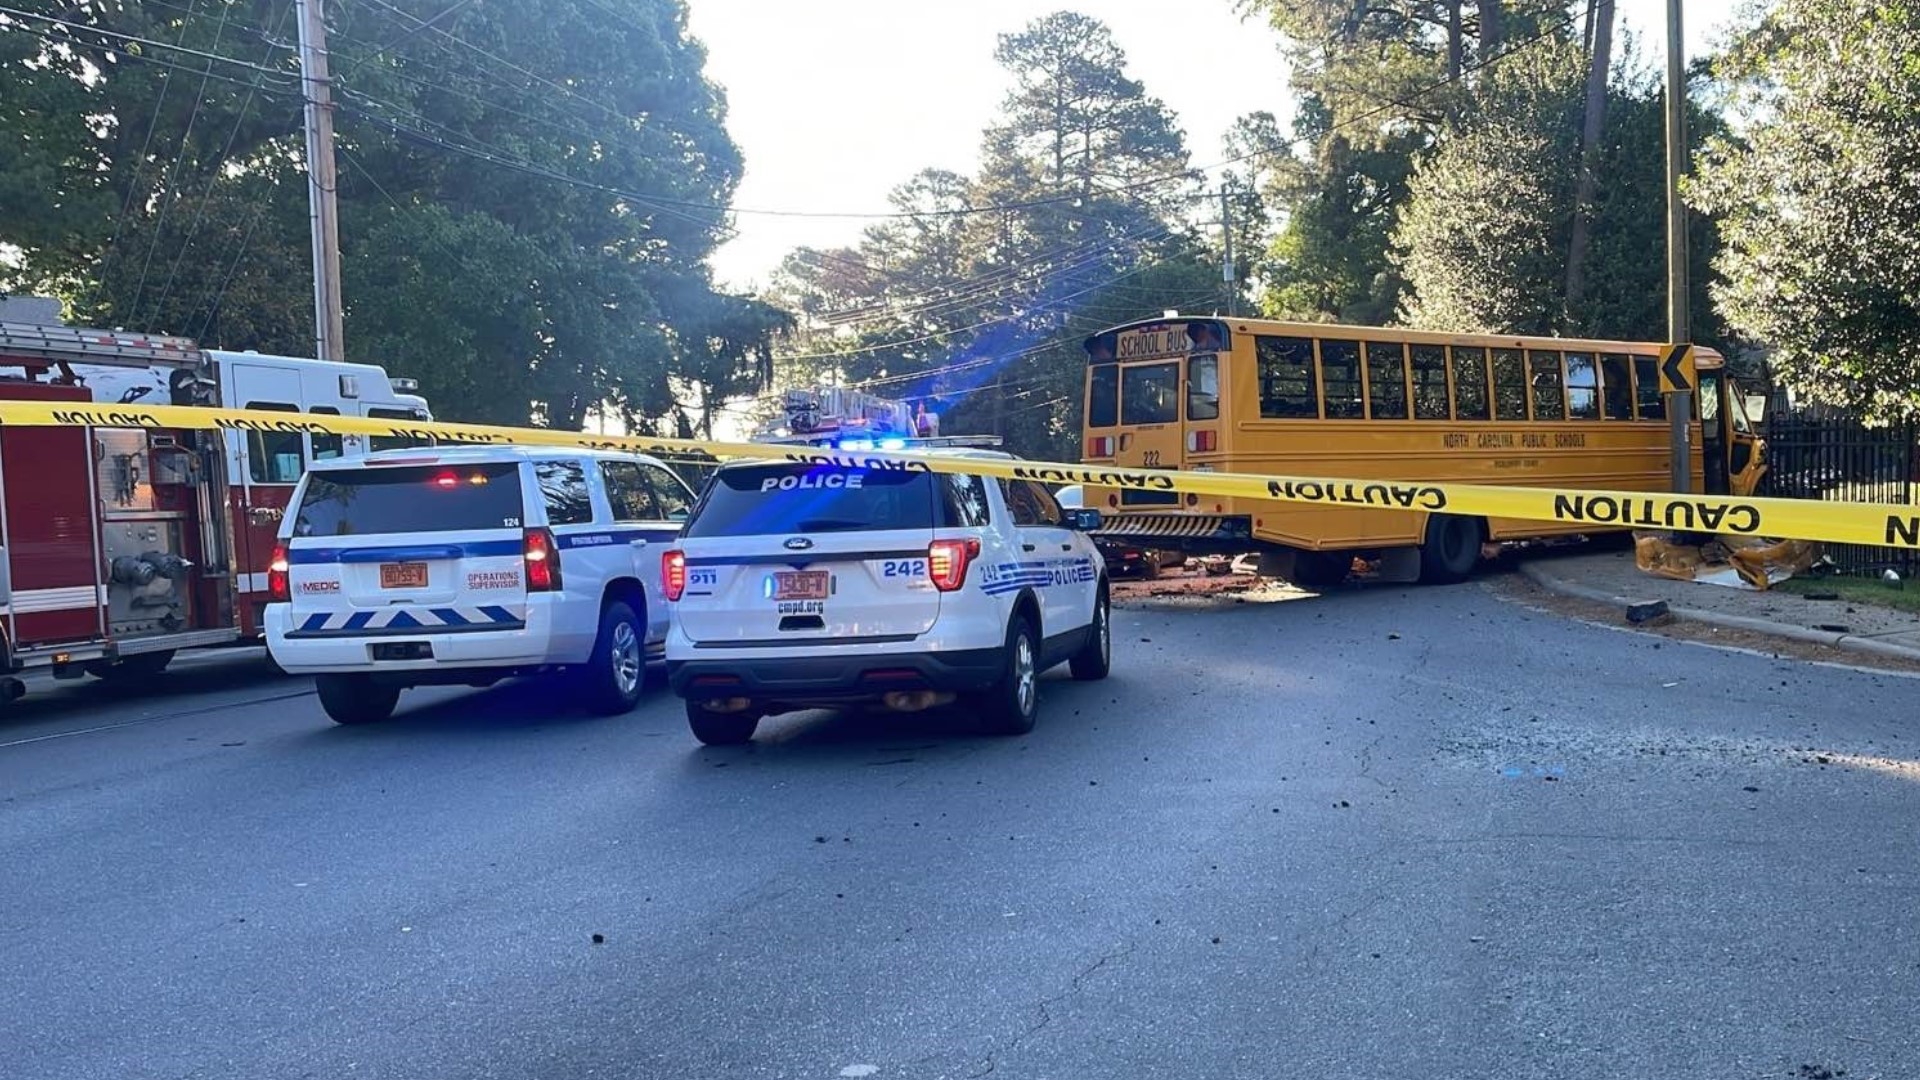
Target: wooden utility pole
(1679, 405)
(1593, 122)
(322, 187)
(1226, 251)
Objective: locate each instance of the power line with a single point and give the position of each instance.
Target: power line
(1021, 275)
(1043, 306)
(213, 307)
(445, 87)
(140, 162)
(402, 38)
(623, 118)
(353, 102)
(173, 174)
(213, 179)
(135, 40)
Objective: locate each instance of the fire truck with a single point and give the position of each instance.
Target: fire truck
(121, 546)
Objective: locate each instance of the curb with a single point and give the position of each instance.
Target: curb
(1539, 576)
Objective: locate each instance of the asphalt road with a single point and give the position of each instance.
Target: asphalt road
(1380, 834)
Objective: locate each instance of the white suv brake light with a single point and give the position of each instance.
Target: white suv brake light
(673, 574)
(542, 557)
(947, 562)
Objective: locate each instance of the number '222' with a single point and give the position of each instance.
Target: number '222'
(904, 568)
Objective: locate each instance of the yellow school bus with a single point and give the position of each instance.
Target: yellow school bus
(1376, 403)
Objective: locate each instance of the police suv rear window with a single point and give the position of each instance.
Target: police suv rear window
(410, 498)
(761, 500)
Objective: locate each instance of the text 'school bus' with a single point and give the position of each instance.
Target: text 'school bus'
(1371, 403)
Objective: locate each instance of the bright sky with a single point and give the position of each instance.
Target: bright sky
(833, 102)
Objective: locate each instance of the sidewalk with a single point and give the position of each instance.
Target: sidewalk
(1610, 577)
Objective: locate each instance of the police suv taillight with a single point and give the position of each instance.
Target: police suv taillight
(278, 590)
(947, 562)
(542, 557)
(673, 574)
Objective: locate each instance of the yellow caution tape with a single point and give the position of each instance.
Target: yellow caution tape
(1838, 522)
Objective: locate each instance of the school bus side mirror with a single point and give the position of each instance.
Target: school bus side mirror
(1087, 520)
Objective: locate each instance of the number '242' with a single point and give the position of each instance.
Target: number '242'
(904, 568)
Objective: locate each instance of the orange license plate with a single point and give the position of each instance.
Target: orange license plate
(403, 575)
(800, 585)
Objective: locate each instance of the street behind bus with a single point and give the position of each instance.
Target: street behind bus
(1378, 833)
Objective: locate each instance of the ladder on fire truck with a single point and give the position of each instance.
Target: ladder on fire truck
(41, 348)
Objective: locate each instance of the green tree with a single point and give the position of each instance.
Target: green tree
(1487, 235)
(982, 311)
(1330, 261)
(1820, 202)
(1483, 234)
(528, 195)
(1378, 83)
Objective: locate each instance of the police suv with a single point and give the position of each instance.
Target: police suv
(467, 565)
(803, 585)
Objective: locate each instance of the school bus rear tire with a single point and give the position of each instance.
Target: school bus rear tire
(1451, 550)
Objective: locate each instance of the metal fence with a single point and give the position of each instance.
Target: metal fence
(1835, 458)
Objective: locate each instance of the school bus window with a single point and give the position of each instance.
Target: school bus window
(1583, 387)
(1103, 395)
(1430, 382)
(1206, 337)
(1203, 388)
(1286, 378)
(326, 447)
(1470, 396)
(1737, 413)
(275, 457)
(1616, 387)
(1549, 400)
(1509, 384)
(1340, 374)
(1386, 381)
(1646, 387)
(1150, 394)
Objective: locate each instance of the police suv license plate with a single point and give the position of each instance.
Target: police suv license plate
(800, 585)
(403, 575)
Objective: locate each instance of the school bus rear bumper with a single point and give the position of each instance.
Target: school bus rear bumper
(1225, 534)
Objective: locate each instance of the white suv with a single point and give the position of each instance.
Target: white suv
(796, 586)
(467, 565)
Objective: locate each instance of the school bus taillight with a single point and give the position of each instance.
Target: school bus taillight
(1100, 446)
(1202, 442)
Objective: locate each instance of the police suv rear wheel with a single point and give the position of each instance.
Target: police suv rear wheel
(1012, 705)
(1095, 657)
(718, 728)
(616, 673)
(356, 699)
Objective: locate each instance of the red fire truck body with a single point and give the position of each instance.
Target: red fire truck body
(120, 546)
